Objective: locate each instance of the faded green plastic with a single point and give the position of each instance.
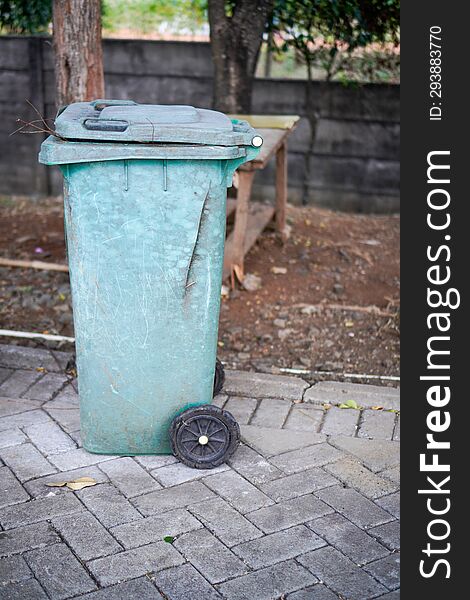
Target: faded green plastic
(145, 243)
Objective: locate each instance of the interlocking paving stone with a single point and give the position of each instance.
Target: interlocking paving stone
(307, 458)
(391, 596)
(396, 433)
(4, 374)
(155, 462)
(137, 589)
(298, 484)
(13, 406)
(134, 563)
(304, 418)
(393, 474)
(278, 547)
(23, 419)
(227, 523)
(177, 473)
(220, 400)
(271, 412)
(268, 583)
(388, 534)
(11, 437)
(46, 387)
(239, 492)
(386, 570)
(39, 510)
(24, 590)
(13, 569)
(377, 455)
(86, 536)
(26, 462)
(186, 583)
(288, 513)
(153, 529)
(68, 418)
(271, 442)
(261, 385)
(313, 592)
(108, 505)
(377, 425)
(391, 504)
(294, 466)
(367, 396)
(19, 540)
(18, 383)
(11, 491)
(356, 475)
(66, 398)
(74, 459)
(353, 505)
(129, 477)
(174, 497)
(61, 358)
(38, 488)
(19, 357)
(59, 572)
(209, 556)
(241, 408)
(349, 539)
(49, 438)
(253, 466)
(340, 421)
(341, 574)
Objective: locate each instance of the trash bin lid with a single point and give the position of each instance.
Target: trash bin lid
(128, 121)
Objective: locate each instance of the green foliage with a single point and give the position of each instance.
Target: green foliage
(148, 15)
(326, 33)
(25, 16)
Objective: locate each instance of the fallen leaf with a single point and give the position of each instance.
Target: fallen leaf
(169, 539)
(76, 484)
(279, 270)
(377, 407)
(349, 404)
(40, 369)
(349, 323)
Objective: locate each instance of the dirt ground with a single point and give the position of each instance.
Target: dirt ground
(296, 319)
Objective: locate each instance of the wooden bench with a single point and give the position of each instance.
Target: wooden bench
(252, 217)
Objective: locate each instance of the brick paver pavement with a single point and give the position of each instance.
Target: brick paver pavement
(308, 507)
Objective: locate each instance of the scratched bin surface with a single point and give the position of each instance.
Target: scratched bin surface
(145, 242)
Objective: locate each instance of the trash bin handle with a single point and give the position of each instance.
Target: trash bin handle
(105, 125)
(100, 104)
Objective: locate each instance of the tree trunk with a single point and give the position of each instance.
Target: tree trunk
(313, 115)
(77, 50)
(235, 43)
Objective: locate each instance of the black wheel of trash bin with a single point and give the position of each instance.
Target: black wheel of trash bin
(219, 377)
(204, 437)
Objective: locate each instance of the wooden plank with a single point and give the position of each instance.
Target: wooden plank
(269, 121)
(259, 216)
(272, 141)
(245, 182)
(281, 190)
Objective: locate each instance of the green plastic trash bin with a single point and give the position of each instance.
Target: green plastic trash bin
(144, 194)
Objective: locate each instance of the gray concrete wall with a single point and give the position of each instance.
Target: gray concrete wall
(355, 164)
